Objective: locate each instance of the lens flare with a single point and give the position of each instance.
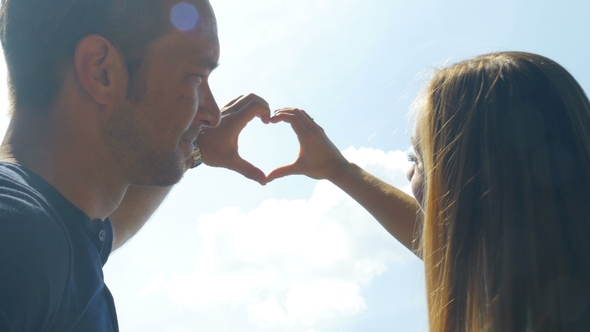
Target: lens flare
(184, 16)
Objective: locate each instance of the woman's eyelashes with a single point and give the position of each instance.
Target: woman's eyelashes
(413, 158)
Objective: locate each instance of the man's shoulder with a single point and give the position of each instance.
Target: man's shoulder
(30, 234)
(50, 268)
(35, 253)
(28, 222)
(21, 204)
(16, 178)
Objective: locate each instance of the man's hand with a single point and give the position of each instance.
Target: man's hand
(219, 146)
(318, 156)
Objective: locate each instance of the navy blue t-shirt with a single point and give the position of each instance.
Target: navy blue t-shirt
(51, 258)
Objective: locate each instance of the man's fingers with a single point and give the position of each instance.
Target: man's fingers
(242, 101)
(248, 170)
(264, 116)
(246, 113)
(256, 108)
(233, 101)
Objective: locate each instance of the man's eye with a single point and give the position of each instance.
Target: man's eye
(197, 78)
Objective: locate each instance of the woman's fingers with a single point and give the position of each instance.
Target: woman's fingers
(282, 172)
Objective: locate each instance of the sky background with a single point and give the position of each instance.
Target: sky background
(226, 254)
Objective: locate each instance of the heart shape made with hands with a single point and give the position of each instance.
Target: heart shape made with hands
(268, 146)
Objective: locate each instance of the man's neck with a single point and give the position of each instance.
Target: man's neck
(74, 164)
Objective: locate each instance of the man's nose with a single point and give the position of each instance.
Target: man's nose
(208, 113)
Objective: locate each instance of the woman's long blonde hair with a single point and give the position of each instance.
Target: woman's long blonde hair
(505, 140)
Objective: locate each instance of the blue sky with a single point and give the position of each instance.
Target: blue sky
(225, 254)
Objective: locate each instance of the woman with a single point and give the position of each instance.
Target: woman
(502, 176)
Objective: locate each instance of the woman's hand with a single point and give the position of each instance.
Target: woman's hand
(318, 156)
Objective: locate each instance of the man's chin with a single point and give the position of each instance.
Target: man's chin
(161, 176)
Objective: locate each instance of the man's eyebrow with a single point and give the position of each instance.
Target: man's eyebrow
(208, 63)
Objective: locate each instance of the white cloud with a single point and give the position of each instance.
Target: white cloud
(286, 265)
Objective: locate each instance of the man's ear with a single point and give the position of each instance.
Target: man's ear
(100, 68)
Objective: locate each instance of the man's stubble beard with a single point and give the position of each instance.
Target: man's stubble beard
(139, 160)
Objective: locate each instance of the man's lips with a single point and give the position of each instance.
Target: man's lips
(192, 135)
(188, 141)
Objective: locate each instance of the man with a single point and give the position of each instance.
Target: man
(107, 98)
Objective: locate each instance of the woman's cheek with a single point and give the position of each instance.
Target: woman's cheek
(417, 185)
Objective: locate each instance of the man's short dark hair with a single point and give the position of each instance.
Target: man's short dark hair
(39, 38)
